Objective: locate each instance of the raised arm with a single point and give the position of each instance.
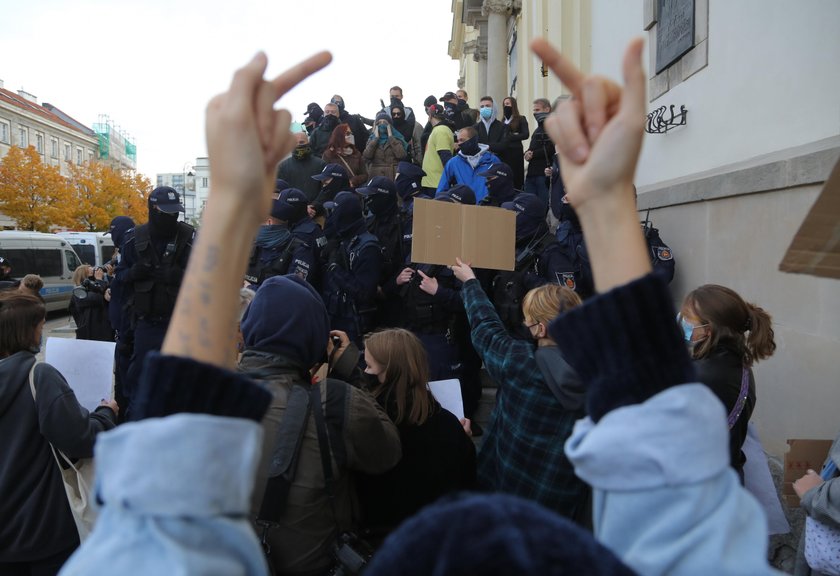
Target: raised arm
(246, 138)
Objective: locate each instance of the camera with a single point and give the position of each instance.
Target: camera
(351, 554)
(88, 285)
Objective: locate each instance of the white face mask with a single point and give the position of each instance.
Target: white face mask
(350, 139)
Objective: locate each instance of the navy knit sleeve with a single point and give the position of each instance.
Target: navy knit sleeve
(172, 384)
(625, 344)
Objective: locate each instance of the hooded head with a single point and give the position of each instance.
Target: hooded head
(530, 214)
(119, 226)
(380, 196)
(346, 217)
(300, 332)
(408, 179)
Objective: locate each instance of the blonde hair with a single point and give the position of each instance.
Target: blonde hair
(544, 303)
(403, 393)
(80, 274)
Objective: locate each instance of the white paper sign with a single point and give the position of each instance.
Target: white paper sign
(87, 365)
(448, 393)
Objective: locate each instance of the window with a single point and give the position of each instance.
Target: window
(39, 142)
(204, 182)
(107, 253)
(86, 252)
(90, 155)
(23, 137)
(54, 147)
(47, 262)
(4, 132)
(72, 260)
(79, 156)
(67, 152)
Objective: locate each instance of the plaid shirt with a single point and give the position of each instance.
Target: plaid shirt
(522, 453)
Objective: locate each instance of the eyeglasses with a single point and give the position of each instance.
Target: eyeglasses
(529, 326)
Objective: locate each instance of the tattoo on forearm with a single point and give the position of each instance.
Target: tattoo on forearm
(211, 258)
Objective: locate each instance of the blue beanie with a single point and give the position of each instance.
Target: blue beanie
(492, 534)
(287, 317)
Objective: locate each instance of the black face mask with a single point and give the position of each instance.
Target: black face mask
(329, 122)
(163, 225)
(540, 117)
(302, 152)
(335, 186)
(381, 204)
(470, 147)
(508, 110)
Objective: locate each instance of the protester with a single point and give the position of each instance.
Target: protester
(438, 458)
(439, 148)
(32, 284)
(341, 149)
(89, 306)
(280, 351)
(410, 129)
(471, 159)
(6, 279)
(490, 130)
(385, 148)
(472, 113)
(540, 153)
(357, 126)
(38, 532)
(727, 335)
(320, 136)
(516, 130)
(299, 168)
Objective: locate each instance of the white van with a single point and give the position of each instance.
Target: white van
(93, 248)
(49, 256)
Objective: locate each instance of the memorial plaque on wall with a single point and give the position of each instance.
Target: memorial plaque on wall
(675, 31)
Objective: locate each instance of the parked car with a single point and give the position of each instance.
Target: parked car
(93, 248)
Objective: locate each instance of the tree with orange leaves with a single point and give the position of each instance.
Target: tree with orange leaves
(101, 193)
(32, 193)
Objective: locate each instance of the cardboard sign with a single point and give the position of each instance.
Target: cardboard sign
(815, 249)
(483, 236)
(802, 455)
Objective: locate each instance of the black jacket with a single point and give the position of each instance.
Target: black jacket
(37, 521)
(721, 371)
(91, 314)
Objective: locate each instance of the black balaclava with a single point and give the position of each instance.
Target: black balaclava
(329, 122)
(470, 147)
(119, 226)
(405, 128)
(381, 205)
(347, 215)
(162, 224)
(501, 189)
(335, 186)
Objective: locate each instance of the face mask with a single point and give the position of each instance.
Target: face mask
(339, 103)
(688, 329)
(350, 139)
(508, 110)
(540, 117)
(383, 130)
(486, 113)
(470, 147)
(163, 225)
(302, 152)
(329, 122)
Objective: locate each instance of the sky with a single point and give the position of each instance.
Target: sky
(152, 66)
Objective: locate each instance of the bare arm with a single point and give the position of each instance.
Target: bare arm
(246, 138)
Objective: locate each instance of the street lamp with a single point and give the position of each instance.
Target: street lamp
(188, 171)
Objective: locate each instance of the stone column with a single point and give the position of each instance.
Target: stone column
(497, 12)
(480, 57)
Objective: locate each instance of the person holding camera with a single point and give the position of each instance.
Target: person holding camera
(89, 305)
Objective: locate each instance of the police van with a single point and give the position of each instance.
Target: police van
(93, 248)
(49, 256)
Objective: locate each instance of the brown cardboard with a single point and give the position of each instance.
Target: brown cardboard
(815, 249)
(801, 456)
(483, 236)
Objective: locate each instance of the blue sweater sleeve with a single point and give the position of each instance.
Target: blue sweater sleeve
(625, 344)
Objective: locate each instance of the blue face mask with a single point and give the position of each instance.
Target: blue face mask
(688, 328)
(486, 113)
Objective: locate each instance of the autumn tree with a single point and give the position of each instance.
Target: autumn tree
(32, 193)
(101, 193)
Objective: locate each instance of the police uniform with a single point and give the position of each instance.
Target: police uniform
(154, 259)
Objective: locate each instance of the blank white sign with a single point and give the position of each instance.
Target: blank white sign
(87, 365)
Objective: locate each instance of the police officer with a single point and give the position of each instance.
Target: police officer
(408, 183)
(537, 262)
(118, 315)
(334, 178)
(499, 185)
(277, 251)
(307, 231)
(353, 266)
(152, 266)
